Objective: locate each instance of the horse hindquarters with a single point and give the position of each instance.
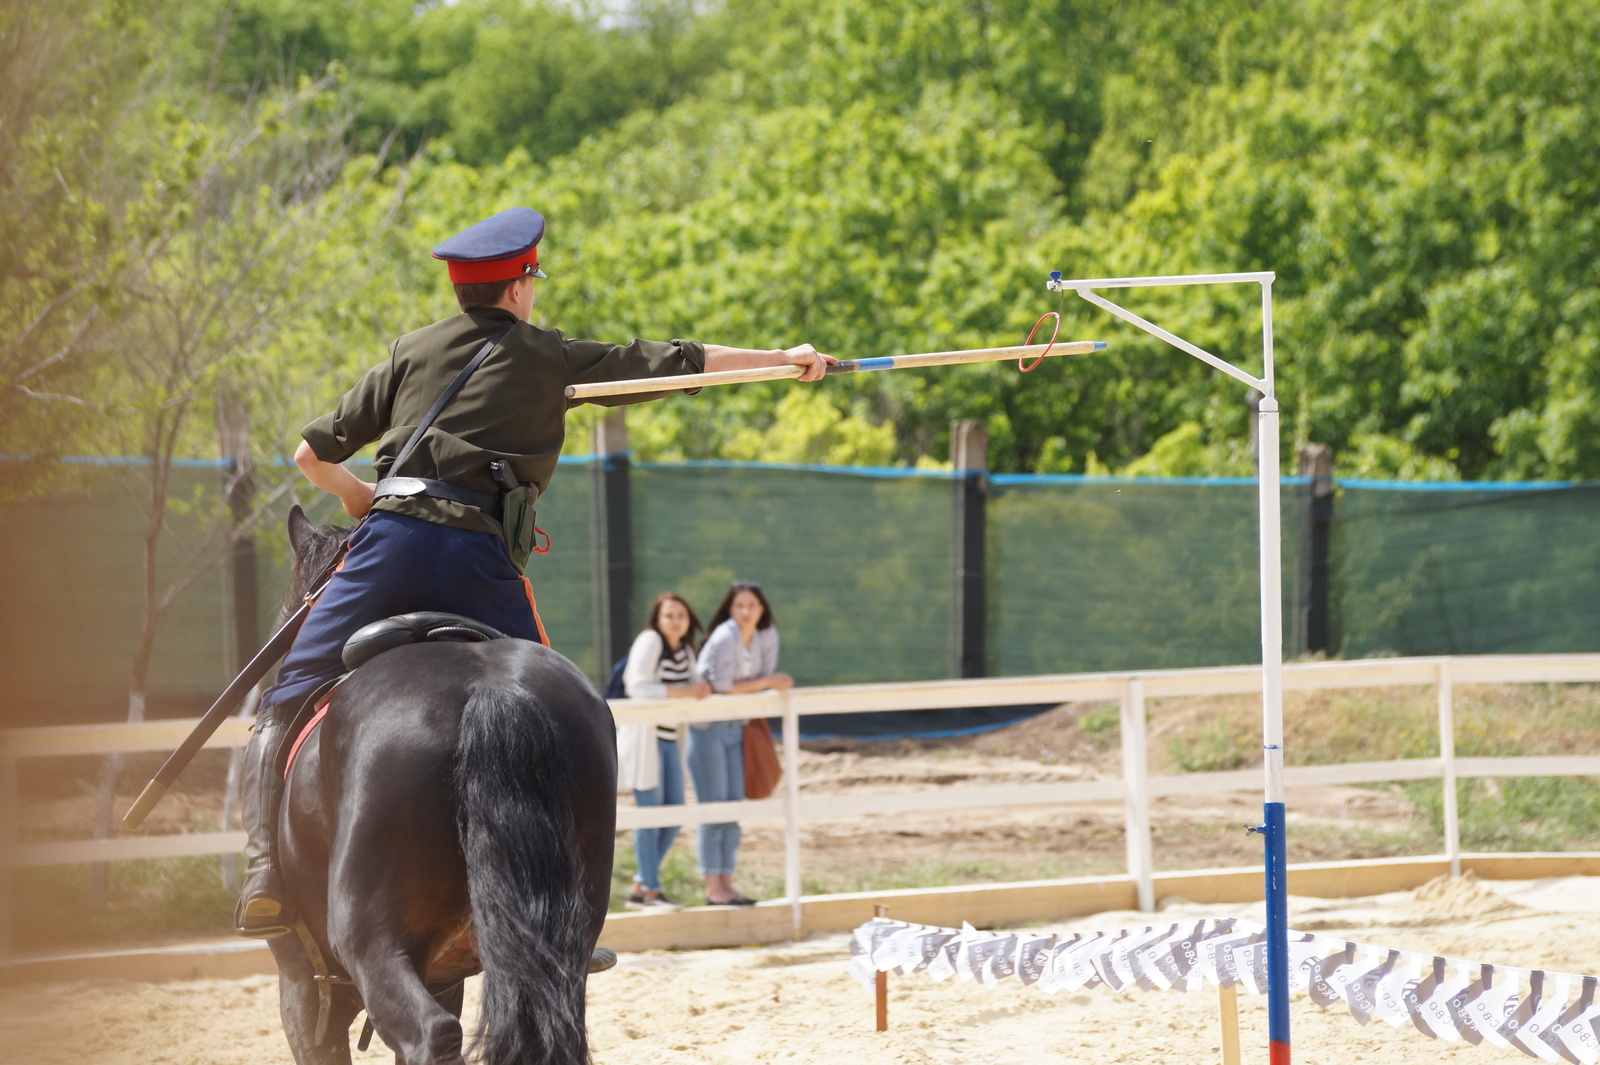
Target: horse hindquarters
(533, 924)
(396, 887)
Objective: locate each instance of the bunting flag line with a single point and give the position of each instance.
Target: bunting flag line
(1547, 1015)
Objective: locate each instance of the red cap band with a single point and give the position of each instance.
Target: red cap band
(477, 273)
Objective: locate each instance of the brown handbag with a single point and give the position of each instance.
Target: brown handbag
(761, 768)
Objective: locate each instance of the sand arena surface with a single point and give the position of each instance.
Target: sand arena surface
(796, 1003)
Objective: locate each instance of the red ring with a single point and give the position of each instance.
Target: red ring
(1047, 314)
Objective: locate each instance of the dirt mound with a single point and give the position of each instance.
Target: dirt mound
(1464, 897)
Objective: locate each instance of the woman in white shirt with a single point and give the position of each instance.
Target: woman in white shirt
(739, 655)
(660, 666)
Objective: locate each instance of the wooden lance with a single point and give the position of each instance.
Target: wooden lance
(785, 373)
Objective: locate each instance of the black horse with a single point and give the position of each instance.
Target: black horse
(453, 813)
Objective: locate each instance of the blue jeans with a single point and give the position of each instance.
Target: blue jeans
(716, 764)
(650, 845)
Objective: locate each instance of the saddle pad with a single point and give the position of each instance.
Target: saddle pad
(305, 733)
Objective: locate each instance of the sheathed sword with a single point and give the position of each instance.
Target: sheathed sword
(230, 698)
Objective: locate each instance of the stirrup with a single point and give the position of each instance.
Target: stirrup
(263, 915)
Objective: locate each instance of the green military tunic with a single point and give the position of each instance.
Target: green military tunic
(513, 407)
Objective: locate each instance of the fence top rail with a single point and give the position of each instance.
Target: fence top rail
(920, 695)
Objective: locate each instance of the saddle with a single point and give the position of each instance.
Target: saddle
(369, 641)
(423, 626)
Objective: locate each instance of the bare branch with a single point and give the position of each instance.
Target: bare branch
(66, 349)
(62, 397)
(45, 311)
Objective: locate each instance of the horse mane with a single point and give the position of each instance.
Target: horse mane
(312, 553)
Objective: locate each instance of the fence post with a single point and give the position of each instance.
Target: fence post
(791, 814)
(611, 537)
(969, 455)
(1136, 802)
(241, 595)
(9, 799)
(1447, 757)
(1311, 622)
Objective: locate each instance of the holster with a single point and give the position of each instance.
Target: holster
(517, 519)
(516, 514)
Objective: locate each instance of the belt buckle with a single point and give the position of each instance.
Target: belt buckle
(403, 486)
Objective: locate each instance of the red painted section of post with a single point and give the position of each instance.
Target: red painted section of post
(1277, 1053)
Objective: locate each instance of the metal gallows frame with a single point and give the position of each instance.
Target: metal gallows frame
(1271, 605)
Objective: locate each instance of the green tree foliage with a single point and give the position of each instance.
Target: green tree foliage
(65, 249)
(885, 178)
(487, 76)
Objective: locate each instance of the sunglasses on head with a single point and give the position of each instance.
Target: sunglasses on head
(741, 586)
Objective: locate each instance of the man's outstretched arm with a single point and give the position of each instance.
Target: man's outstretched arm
(720, 358)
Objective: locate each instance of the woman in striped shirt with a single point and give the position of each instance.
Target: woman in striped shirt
(660, 666)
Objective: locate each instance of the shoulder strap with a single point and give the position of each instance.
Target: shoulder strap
(446, 396)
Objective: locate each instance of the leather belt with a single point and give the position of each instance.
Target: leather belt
(427, 486)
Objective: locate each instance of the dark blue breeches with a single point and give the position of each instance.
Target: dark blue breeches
(397, 565)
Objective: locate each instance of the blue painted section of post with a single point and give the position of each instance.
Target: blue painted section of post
(1277, 876)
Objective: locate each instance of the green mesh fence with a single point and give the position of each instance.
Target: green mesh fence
(1090, 574)
(856, 564)
(72, 595)
(1083, 574)
(563, 579)
(1465, 569)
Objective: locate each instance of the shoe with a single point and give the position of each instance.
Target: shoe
(659, 901)
(741, 900)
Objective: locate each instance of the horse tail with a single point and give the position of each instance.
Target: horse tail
(514, 785)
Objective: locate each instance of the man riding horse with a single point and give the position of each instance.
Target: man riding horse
(450, 531)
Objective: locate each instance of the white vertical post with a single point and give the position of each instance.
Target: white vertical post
(1267, 430)
(791, 814)
(1271, 605)
(1267, 434)
(690, 796)
(1135, 776)
(1447, 757)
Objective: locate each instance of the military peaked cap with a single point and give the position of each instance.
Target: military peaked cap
(499, 248)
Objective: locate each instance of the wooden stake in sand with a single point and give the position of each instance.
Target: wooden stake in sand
(881, 986)
(1228, 1021)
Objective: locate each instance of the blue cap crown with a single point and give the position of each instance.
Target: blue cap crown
(500, 247)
